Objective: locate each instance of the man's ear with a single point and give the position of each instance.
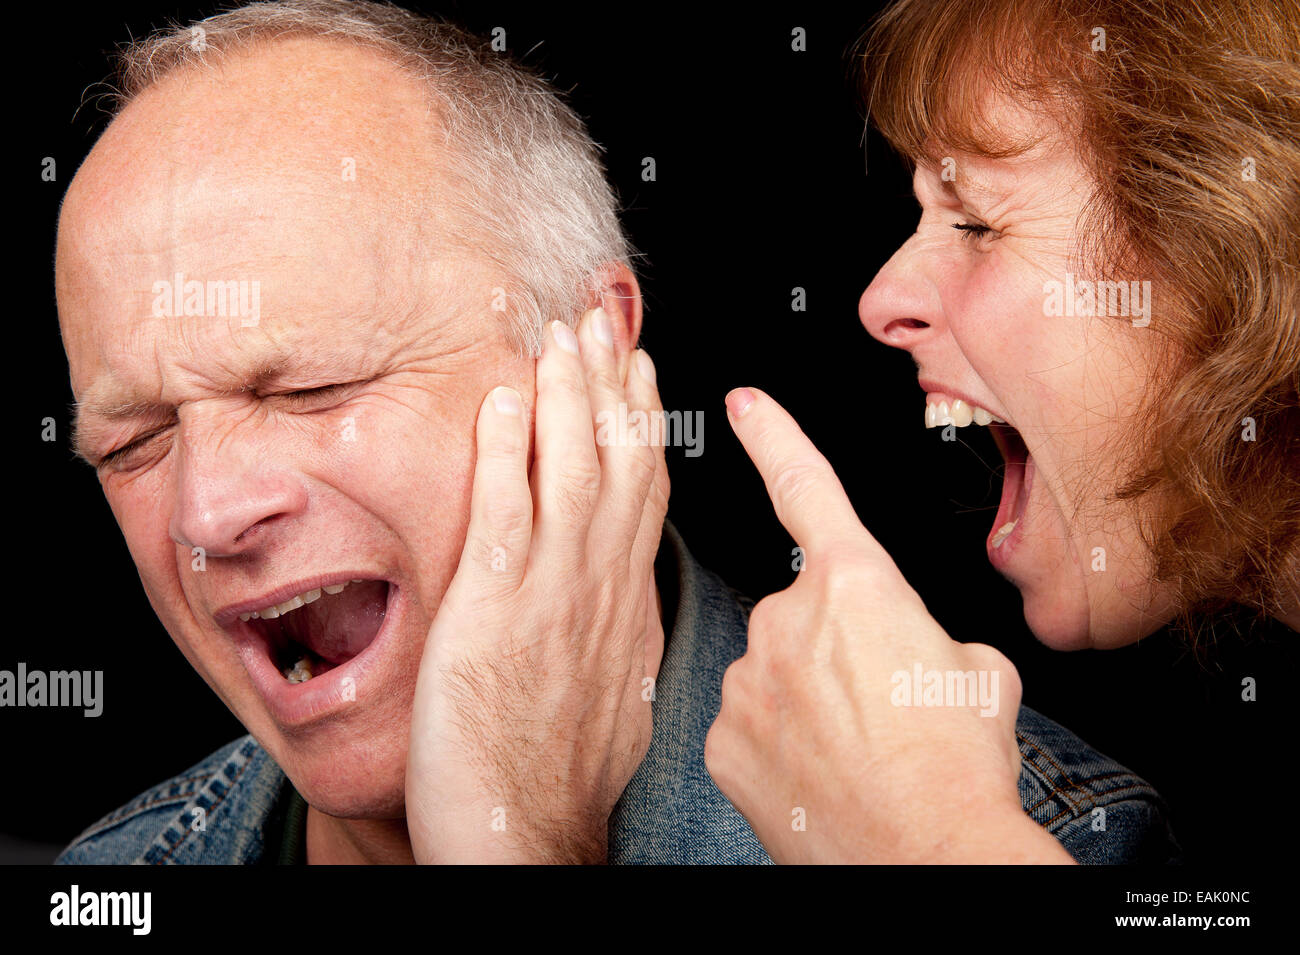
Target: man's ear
(614, 288)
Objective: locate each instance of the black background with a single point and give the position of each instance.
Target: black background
(762, 186)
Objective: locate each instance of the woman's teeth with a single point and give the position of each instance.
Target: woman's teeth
(940, 414)
(293, 603)
(1004, 532)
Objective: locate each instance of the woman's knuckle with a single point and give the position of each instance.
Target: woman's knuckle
(794, 483)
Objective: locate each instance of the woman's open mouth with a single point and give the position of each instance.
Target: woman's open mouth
(941, 411)
(1017, 479)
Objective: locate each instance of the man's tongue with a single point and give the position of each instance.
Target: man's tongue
(339, 626)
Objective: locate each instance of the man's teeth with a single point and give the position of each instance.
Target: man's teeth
(1004, 532)
(300, 672)
(293, 603)
(959, 414)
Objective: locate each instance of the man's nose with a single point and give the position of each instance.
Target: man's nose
(227, 495)
(902, 307)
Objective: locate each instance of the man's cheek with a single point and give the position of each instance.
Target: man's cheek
(154, 553)
(440, 534)
(421, 485)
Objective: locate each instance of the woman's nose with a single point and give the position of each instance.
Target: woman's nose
(901, 307)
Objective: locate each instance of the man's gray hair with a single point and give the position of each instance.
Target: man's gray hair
(526, 177)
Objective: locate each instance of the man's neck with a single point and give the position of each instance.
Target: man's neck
(334, 841)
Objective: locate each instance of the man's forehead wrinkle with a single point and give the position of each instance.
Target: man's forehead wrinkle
(222, 378)
(269, 160)
(244, 218)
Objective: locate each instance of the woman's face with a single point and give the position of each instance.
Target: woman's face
(995, 320)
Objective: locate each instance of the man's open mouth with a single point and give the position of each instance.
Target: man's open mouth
(315, 631)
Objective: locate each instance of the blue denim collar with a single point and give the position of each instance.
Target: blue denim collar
(671, 811)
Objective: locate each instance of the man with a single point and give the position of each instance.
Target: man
(316, 282)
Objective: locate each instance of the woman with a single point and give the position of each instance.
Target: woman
(1105, 272)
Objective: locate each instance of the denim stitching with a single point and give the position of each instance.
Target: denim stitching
(1055, 791)
(1060, 772)
(248, 760)
(1108, 792)
(134, 809)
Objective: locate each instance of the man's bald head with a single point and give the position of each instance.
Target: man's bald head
(520, 182)
(285, 111)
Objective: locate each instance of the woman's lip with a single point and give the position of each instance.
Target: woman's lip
(297, 705)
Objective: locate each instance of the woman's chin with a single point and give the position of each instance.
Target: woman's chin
(1057, 623)
(1063, 620)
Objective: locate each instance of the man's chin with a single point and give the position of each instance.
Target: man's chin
(348, 779)
(360, 805)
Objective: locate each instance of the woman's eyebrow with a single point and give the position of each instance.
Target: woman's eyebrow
(967, 186)
(957, 184)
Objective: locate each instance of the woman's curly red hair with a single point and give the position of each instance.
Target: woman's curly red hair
(1187, 113)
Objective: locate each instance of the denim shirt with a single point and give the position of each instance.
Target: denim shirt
(231, 807)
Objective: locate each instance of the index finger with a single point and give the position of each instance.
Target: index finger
(808, 498)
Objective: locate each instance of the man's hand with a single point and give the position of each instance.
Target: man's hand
(813, 742)
(532, 707)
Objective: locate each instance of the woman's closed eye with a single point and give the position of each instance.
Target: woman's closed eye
(973, 231)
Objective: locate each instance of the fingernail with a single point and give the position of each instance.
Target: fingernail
(506, 401)
(601, 328)
(739, 401)
(564, 337)
(644, 366)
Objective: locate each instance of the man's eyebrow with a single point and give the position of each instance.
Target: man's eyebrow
(274, 371)
(95, 409)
